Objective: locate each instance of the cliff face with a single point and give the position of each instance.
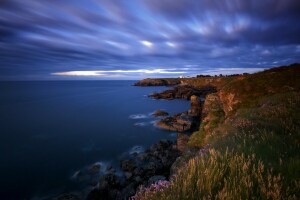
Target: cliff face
(212, 114)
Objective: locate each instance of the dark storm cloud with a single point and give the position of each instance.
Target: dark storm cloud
(39, 37)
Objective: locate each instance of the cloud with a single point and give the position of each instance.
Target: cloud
(105, 72)
(40, 37)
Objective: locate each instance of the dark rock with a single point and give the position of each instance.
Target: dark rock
(138, 171)
(146, 168)
(95, 168)
(128, 191)
(179, 123)
(159, 113)
(109, 167)
(138, 179)
(143, 156)
(128, 165)
(128, 175)
(109, 180)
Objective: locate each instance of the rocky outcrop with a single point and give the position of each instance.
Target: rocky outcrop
(143, 169)
(182, 92)
(160, 113)
(158, 82)
(185, 121)
(179, 122)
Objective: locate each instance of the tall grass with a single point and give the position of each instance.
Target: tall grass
(225, 175)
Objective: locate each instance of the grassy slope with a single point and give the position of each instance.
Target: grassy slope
(255, 144)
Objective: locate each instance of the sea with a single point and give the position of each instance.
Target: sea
(50, 130)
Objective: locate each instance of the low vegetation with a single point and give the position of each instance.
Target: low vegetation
(254, 140)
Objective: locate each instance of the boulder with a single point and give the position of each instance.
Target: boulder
(179, 123)
(160, 113)
(128, 165)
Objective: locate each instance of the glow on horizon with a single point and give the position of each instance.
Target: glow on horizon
(187, 71)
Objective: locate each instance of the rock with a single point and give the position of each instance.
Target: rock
(159, 113)
(143, 156)
(138, 171)
(109, 167)
(128, 191)
(145, 168)
(179, 123)
(137, 179)
(128, 165)
(95, 168)
(128, 175)
(109, 180)
(195, 109)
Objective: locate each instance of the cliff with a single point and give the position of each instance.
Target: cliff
(248, 140)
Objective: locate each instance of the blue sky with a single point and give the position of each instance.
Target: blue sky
(134, 39)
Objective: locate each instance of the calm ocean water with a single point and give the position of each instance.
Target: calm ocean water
(51, 129)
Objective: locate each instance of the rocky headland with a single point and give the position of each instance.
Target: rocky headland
(158, 82)
(225, 105)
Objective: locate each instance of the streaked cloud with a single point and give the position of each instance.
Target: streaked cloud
(104, 73)
(40, 37)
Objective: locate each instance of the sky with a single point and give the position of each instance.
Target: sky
(135, 39)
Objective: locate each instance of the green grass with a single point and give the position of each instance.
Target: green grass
(255, 147)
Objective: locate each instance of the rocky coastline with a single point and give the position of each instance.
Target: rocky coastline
(142, 169)
(156, 163)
